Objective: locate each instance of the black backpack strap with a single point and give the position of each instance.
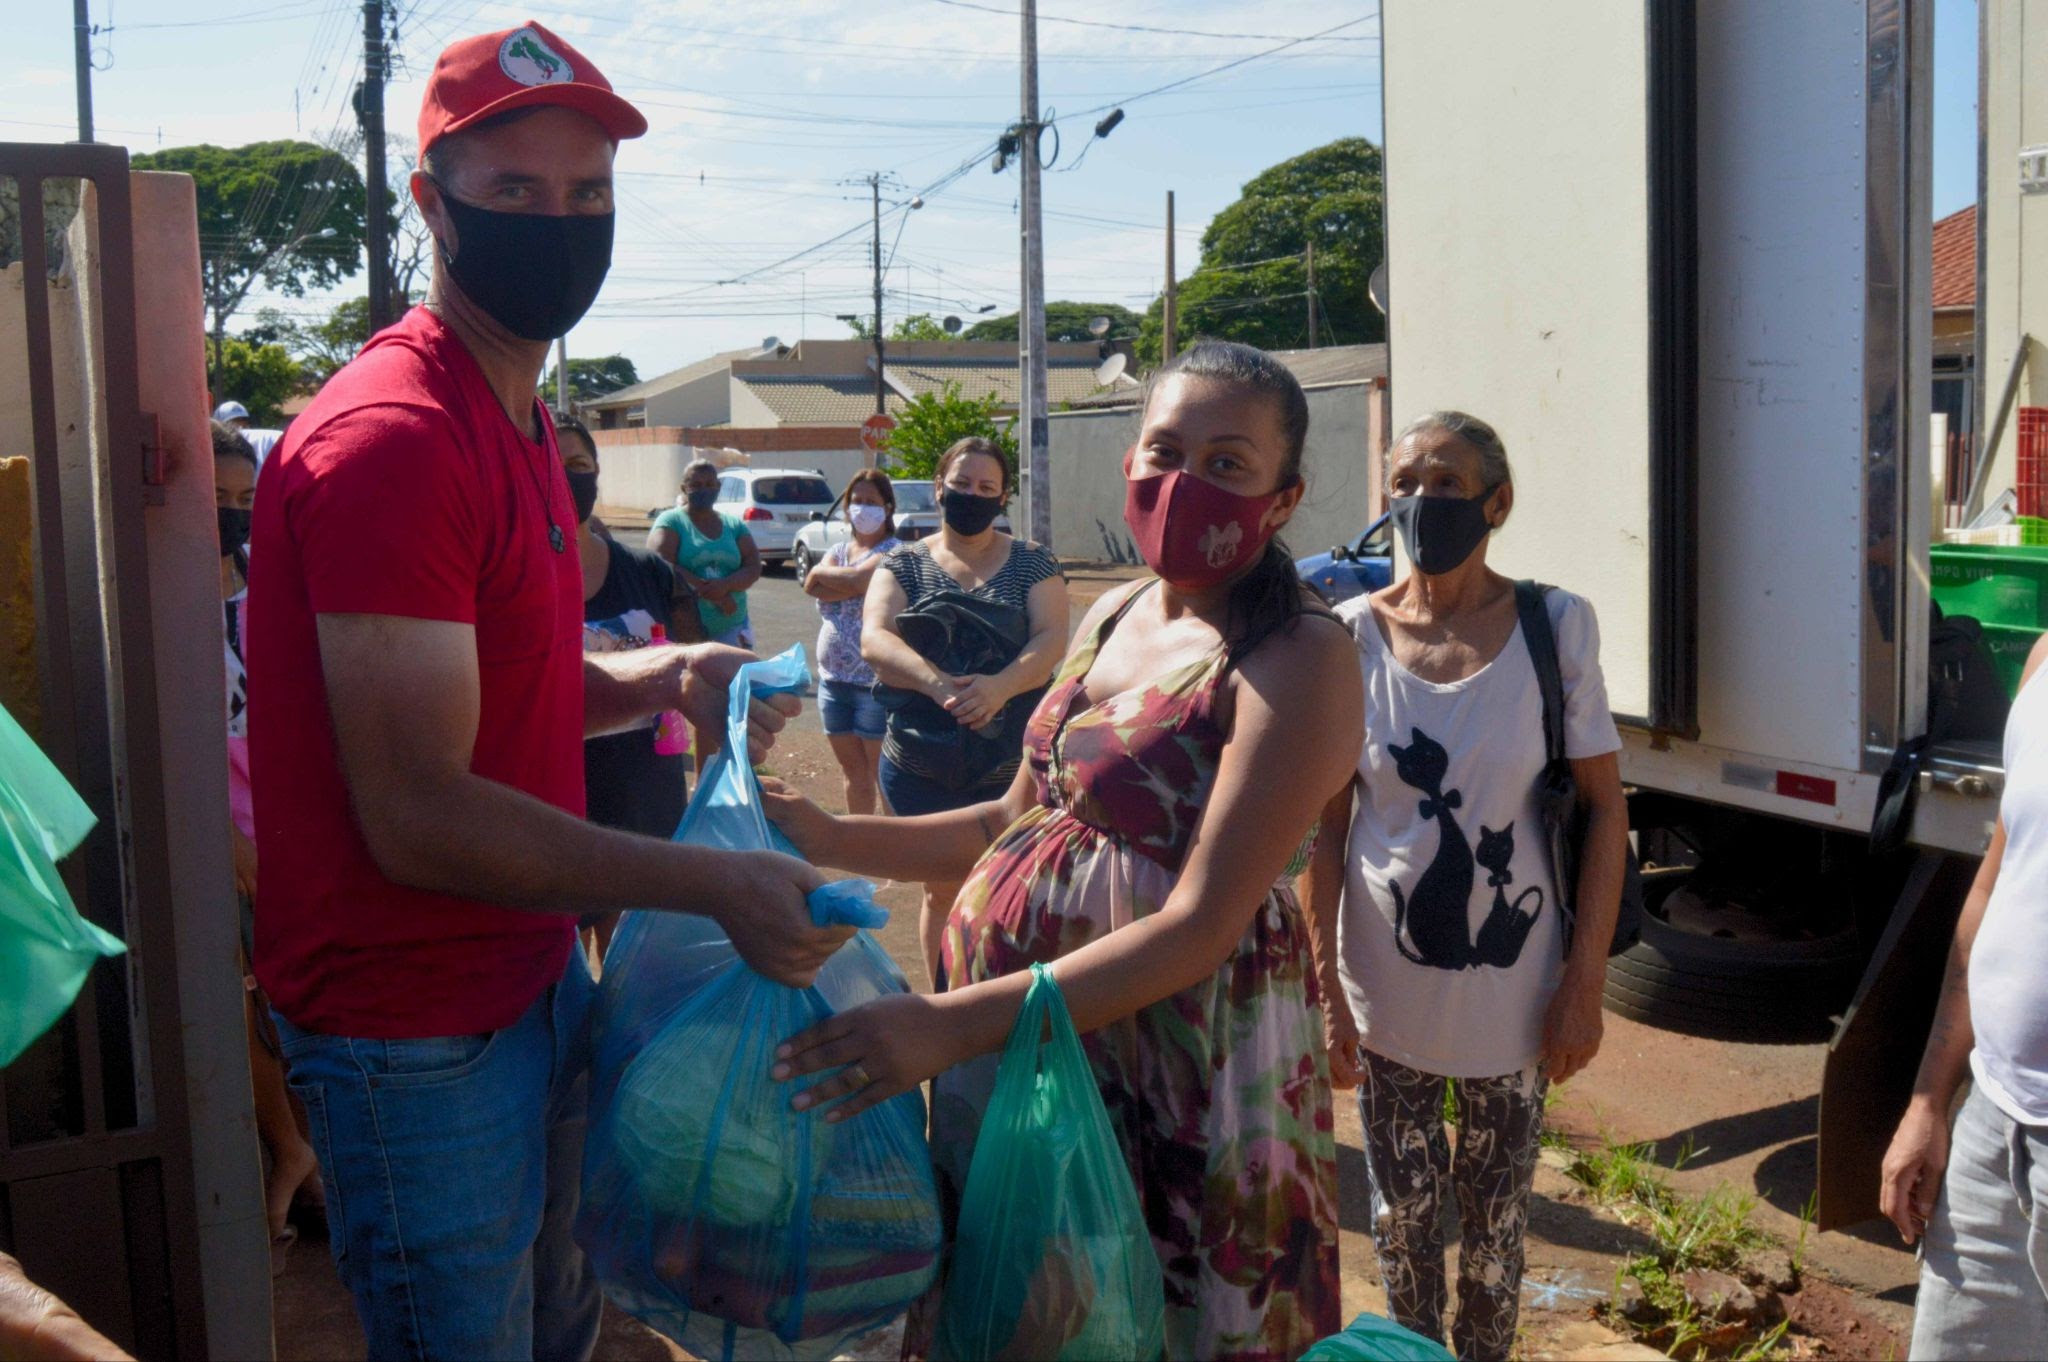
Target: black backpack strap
(1542, 644)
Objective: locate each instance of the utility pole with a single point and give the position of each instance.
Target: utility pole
(1031, 317)
(81, 56)
(1311, 295)
(562, 374)
(1171, 312)
(881, 384)
(370, 113)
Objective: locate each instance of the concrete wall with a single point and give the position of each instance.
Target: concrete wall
(2014, 226)
(635, 475)
(704, 401)
(1341, 464)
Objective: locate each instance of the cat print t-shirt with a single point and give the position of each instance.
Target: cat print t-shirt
(1449, 944)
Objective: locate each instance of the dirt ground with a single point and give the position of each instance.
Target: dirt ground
(1748, 1112)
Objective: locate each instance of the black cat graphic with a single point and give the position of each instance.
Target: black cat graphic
(1506, 926)
(1434, 915)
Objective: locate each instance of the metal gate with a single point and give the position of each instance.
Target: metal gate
(96, 1172)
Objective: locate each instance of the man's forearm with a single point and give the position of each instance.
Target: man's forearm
(622, 690)
(1950, 1039)
(473, 837)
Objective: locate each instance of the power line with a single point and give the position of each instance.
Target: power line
(1217, 70)
(1132, 28)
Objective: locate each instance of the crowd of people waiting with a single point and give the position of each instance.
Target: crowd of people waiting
(1244, 830)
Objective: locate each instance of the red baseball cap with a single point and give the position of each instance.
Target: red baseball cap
(518, 68)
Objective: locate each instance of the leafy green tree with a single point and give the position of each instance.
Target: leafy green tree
(920, 326)
(593, 376)
(260, 377)
(286, 214)
(325, 345)
(1252, 284)
(1064, 321)
(932, 421)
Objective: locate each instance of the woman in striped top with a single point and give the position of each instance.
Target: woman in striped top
(967, 555)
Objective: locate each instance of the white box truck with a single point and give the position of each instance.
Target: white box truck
(1679, 253)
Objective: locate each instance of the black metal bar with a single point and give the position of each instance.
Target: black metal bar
(1673, 172)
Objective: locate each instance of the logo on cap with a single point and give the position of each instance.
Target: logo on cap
(526, 58)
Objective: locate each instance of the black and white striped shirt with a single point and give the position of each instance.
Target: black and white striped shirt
(921, 576)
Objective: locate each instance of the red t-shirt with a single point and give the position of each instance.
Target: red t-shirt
(404, 490)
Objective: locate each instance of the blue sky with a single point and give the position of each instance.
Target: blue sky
(762, 114)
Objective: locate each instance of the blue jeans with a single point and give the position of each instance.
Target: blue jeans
(1984, 1260)
(910, 794)
(452, 1166)
(850, 707)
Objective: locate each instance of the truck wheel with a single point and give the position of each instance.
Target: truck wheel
(1722, 986)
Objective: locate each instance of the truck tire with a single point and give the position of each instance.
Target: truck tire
(1760, 991)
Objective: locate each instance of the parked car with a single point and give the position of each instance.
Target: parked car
(917, 515)
(774, 503)
(1355, 569)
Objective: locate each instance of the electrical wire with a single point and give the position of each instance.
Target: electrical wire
(1129, 28)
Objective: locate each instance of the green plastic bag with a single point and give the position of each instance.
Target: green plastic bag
(1052, 1259)
(46, 948)
(1373, 1339)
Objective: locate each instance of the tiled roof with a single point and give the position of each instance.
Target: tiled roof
(1955, 259)
(674, 378)
(1318, 368)
(819, 401)
(847, 401)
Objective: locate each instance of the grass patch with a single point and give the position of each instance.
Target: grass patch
(1708, 1232)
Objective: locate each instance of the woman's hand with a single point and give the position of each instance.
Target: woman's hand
(811, 828)
(245, 863)
(1572, 1024)
(977, 700)
(881, 1049)
(1340, 1038)
(1913, 1168)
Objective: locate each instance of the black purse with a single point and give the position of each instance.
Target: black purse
(1557, 789)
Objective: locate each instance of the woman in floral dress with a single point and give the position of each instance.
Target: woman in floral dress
(1168, 788)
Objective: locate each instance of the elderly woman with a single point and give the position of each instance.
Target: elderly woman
(1456, 959)
(714, 555)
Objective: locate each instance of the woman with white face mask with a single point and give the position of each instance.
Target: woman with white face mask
(854, 719)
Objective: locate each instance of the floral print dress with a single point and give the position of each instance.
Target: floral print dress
(1220, 1095)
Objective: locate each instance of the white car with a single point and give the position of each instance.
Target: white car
(774, 503)
(917, 515)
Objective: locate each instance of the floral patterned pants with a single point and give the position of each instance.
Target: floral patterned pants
(1408, 1161)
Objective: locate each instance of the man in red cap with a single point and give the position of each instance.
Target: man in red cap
(420, 704)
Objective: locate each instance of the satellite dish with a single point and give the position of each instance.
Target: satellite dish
(952, 325)
(771, 342)
(1376, 287)
(1099, 326)
(1111, 369)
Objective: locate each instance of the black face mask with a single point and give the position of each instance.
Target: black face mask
(583, 491)
(702, 498)
(969, 514)
(1440, 533)
(233, 522)
(537, 274)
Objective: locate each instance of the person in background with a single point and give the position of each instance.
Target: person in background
(968, 554)
(1452, 949)
(627, 782)
(1976, 1198)
(422, 701)
(714, 554)
(294, 1173)
(1174, 773)
(854, 719)
(235, 417)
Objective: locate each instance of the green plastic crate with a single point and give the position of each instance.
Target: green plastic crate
(2009, 648)
(2001, 584)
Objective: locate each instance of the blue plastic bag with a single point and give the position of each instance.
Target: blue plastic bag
(711, 1210)
(46, 948)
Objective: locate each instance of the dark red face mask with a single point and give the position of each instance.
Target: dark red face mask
(1193, 533)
